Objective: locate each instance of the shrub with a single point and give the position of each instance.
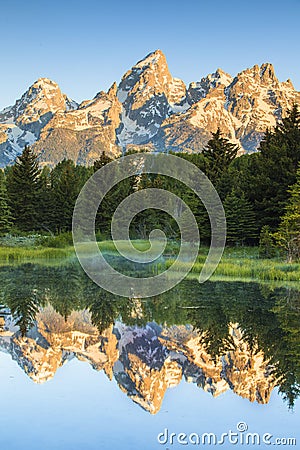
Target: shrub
(60, 241)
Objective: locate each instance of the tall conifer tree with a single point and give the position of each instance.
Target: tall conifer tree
(219, 153)
(274, 170)
(5, 213)
(240, 218)
(288, 235)
(23, 186)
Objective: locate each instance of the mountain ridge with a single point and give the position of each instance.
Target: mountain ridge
(145, 361)
(148, 108)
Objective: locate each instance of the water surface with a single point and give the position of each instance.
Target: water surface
(83, 369)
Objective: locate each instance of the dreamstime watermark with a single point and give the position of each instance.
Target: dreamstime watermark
(94, 191)
(240, 436)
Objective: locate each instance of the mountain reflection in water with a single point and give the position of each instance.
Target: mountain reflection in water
(220, 335)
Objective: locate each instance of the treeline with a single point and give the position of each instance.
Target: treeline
(260, 192)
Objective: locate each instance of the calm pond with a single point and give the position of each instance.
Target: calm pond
(216, 364)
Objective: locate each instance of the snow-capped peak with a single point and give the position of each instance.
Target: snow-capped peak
(149, 107)
(23, 122)
(200, 89)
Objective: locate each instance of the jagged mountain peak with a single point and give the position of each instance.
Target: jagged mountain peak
(21, 124)
(41, 86)
(288, 83)
(112, 91)
(149, 107)
(111, 94)
(42, 97)
(200, 89)
(242, 107)
(147, 75)
(49, 89)
(149, 94)
(218, 77)
(44, 81)
(153, 58)
(82, 134)
(221, 74)
(267, 67)
(263, 74)
(220, 71)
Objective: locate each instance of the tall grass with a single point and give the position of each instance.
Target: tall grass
(140, 244)
(12, 254)
(109, 246)
(248, 268)
(236, 263)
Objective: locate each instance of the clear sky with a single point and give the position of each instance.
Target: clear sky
(86, 45)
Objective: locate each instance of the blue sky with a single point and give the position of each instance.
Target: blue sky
(85, 46)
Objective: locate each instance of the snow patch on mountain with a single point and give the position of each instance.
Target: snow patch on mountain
(28, 116)
(149, 107)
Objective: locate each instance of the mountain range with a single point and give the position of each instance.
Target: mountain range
(145, 361)
(149, 109)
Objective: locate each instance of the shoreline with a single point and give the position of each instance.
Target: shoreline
(242, 263)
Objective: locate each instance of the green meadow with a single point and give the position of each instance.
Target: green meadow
(243, 263)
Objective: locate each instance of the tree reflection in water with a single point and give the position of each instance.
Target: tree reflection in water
(219, 316)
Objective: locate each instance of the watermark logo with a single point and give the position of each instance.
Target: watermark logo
(90, 256)
(239, 436)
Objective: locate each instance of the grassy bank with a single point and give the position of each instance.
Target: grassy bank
(29, 249)
(11, 254)
(244, 263)
(238, 263)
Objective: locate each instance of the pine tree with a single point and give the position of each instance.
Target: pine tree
(151, 218)
(112, 199)
(66, 187)
(219, 153)
(23, 187)
(5, 214)
(288, 130)
(240, 218)
(288, 234)
(47, 201)
(102, 161)
(266, 243)
(274, 170)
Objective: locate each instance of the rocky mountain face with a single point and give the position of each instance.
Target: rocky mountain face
(145, 361)
(148, 94)
(149, 108)
(82, 134)
(22, 123)
(242, 107)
